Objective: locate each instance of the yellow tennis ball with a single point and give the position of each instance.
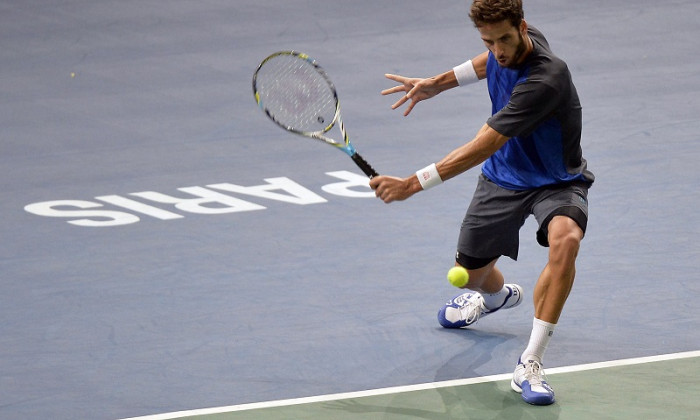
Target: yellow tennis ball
(458, 276)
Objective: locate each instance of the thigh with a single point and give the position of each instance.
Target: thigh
(570, 201)
(493, 221)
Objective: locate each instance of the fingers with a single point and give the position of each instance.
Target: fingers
(379, 186)
(415, 89)
(389, 188)
(395, 89)
(407, 85)
(396, 78)
(400, 102)
(410, 107)
(405, 99)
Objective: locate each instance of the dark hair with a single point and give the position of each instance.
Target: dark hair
(493, 11)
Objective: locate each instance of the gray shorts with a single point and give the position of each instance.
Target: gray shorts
(492, 224)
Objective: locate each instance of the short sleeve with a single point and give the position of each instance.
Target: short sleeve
(530, 104)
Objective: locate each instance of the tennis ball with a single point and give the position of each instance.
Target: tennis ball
(458, 276)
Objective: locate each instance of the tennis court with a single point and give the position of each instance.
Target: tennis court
(598, 390)
(166, 249)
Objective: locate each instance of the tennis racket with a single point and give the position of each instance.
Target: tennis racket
(295, 92)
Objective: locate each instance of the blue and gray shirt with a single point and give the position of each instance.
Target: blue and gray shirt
(537, 106)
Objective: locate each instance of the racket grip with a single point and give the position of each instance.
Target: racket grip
(366, 167)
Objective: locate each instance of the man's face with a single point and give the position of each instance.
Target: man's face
(505, 41)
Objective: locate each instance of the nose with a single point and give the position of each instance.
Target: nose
(498, 50)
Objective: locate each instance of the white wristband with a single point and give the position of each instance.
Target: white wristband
(465, 73)
(429, 177)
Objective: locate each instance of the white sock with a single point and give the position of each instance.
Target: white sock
(539, 340)
(495, 300)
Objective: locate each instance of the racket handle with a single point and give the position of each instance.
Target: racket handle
(366, 168)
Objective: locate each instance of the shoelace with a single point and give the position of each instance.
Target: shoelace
(470, 311)
(533, 372)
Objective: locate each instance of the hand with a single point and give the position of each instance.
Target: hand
(389, 188)
(416, 89)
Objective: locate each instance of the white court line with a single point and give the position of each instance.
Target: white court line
(409, 388)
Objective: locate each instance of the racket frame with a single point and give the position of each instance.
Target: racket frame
(345, 145)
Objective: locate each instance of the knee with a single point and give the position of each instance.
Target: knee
(565, 241)
(564, 236)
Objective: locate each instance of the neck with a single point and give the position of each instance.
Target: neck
(525, 50)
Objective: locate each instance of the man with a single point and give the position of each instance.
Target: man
(532, 164)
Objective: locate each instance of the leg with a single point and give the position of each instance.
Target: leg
(550, 294)
(489, 229)
(487, 279)
(490, 295)
(557, 278)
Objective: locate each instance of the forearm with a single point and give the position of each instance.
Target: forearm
(448, 79)
(486, 142)
(445, 81)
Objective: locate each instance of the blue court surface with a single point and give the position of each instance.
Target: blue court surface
(166, 248)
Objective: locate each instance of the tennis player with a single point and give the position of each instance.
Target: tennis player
(532, 164)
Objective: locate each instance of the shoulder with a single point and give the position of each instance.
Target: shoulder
(543, 65)
(537, 36)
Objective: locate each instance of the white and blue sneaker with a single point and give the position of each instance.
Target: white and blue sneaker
(465, 309)
(529, 380)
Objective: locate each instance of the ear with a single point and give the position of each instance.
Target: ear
(523, 27)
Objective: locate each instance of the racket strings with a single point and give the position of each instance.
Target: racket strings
(295, 94)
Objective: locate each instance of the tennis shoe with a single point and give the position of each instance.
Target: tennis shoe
(465, 309)
(529, 380)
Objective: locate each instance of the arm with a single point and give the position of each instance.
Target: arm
(418, 89)
(486, 142)
(479, 63)
(463, 158)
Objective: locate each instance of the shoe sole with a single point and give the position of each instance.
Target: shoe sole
(544, 400)
(444, 323)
